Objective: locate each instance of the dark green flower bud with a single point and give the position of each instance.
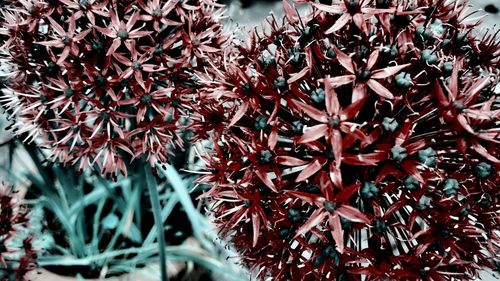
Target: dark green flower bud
(369, 190)
(427, 157)
(390, 124)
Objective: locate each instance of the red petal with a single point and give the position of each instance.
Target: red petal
(290, 12)
(352, 214)
(372, 60)
(336, 143)
(340, 80)
(368, 159)
(359, 92)
(316, 218)
(239, 114)
(388, 71)
(341, 22)
(309, 170)
(314, 133)
(345, 60)
(299, 75)
(412, 170)
(330, 8)
(311, 111)
(347, 192)
(310, 198)
(352, 110)
(289, 161)
(261, 173)
(335, 175)
(273, 137)
(256, 228)
(331, 99)
(379, 89)
(337, 232)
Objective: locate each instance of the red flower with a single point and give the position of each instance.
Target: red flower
(364, 76)
(375, 162)
(104, 82)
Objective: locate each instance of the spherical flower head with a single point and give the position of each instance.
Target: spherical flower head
(348, 147)
(17, 258)
(101, 83)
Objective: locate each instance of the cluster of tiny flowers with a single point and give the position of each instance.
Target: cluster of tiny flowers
(15, 260)
(103, 82)
(358, 142)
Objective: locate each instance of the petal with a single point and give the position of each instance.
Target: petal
(309, 170)
(310, 198)
(316, 219)
(335, 175)
(314, 133)
(352, 214)
(56, 27)
(311, 111)
(131, 21)
(372, 60)
(299, 75)
(273, 137)
(388, 71)
(360, 22)
(368, 159)
(379, 89)
(341, 22)
(346, 193)
(344, 60)
(333, 9)
(340, 80)
(261, 173)
(359, 92)
(63, 55)
(239, 114)
(443, 100)
(114, 47)
(256, 228)
(331, 99)
(289, 161)
(290, 12)
(337, 232)
(352, 110)
(336, 143)
(412, 170)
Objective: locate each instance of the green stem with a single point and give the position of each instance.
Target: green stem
(155, 204)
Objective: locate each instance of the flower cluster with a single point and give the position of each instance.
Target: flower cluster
(358, 142)
(103, 82)
(15, 260)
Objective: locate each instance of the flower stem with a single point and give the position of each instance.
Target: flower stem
(155, 204)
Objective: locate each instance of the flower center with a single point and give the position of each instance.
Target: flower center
(136, 65)
(334, 121)
(398, 153)
(84, 4)
(363, 74)
(157, 12)
(69, 92)
(66, 39)
(329, 206)
(122, 34)
(146, 99)
(459, 106)
(352, 6)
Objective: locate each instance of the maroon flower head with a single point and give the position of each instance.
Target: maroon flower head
(359, 142)
(103, 82)
(17, 258)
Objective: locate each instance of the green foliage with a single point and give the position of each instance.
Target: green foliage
(94, 224)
